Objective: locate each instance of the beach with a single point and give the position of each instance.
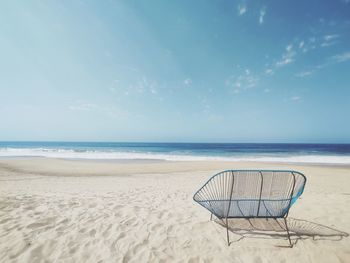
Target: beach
(175, 131)
(55, 210)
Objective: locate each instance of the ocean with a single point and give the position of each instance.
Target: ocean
(265, 152)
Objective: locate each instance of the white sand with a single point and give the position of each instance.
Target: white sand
(79, 211)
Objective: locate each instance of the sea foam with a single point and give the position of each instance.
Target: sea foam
(129, 155)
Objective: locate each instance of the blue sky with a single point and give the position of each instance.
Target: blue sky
(200, 71)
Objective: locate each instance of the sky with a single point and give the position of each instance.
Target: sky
(175, 71)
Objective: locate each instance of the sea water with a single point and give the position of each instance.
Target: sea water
(265, 152)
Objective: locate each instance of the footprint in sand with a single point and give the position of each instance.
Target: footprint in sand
(92, 232)
(36, 225)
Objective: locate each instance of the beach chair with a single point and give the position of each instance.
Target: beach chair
(251, 194)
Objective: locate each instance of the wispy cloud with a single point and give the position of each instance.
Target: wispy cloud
(314, 42)
(188, 82)
(242, 9)
(243, 81)
(269, 71)
(301, 44)
(341, 57)
(142, 86)
(287, 57)
(289, 48)
(328, 44)
(330, 37)
(295, 98)
(262, 15)
(308, 44)
(329, 40)
(304, 73)
(292, 50)
(204, 103)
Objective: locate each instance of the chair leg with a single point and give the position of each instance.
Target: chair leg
(285, 222)
(227, 234)
(211, 216)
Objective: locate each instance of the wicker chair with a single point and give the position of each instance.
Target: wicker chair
(251, 194)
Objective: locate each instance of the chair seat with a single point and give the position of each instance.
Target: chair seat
(240, 208)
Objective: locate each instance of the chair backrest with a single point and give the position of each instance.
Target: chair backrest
(251, 193)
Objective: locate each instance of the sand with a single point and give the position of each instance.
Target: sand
(88, 211)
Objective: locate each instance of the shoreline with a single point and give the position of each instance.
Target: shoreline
(61, 166)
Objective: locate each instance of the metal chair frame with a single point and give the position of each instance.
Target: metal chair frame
(222, 191)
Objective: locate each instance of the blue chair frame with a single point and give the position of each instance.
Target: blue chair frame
(251, 194)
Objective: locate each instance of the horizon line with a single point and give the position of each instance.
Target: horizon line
(165, 142)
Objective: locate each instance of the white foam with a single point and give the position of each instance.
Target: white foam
(111, 155)
(317, 159)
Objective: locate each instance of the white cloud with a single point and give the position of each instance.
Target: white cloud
(308, 45)
(329, 40)
(138, 88)
(295, 98)
(187, 82)
(269, 71)
(267, 90)
(242, 9)
(341, 57)
(321, 66)
(144, 85)
(328, 44)
(153, 90)
(333, 60)
(330, 37)
(204, 103)
(301, 44)
(304, 73)
(244, 81)
(262, 15)
(289, 48)
(284, 61)
(287, 57)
